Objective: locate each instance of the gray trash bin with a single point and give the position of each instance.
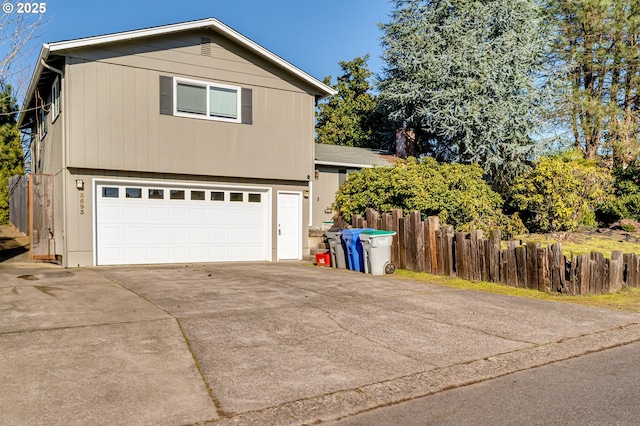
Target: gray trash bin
(338, 257)
(376, 247)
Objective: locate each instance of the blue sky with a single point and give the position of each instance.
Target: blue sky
(311, 34)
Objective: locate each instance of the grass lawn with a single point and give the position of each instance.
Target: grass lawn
(626, 299)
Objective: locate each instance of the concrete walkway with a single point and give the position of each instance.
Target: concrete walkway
(261, 343)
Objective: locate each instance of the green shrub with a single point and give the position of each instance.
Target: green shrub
(456, 193)
(561, 193)
(628, 227)
(626, 204)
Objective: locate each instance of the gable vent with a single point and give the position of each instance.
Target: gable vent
(205, 46)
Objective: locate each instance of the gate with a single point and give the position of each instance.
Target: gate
(41, 217)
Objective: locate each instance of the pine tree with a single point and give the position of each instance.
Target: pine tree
(597, 58)
(349, 117)
(463, 75)
(11, 154)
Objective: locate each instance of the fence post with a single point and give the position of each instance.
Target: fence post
(615, 271)
(447, 250)
(396, 214)
(434, 225)
(494, 256)
(416, 242)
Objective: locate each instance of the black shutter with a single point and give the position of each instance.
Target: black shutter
(166, 95)
(247, 106)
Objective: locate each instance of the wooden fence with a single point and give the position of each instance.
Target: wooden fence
(18, 202)
(425, 246)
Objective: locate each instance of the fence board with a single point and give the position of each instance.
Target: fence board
(460, 260)
(18, 187)
(521, 266)
(439, 253)
(420, 246)
(447, 249)
(616, 266)
(556, 267)
(402, 242)
(434, 225)
(413, 256)
(542, 261)
(532, 265)
(512, 277)
(494, 256)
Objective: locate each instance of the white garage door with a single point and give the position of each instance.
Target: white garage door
(139, 224)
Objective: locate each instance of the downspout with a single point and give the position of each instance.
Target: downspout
(64, 164)
(49, 67)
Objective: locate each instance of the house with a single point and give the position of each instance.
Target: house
(333, 163)
(180, 143)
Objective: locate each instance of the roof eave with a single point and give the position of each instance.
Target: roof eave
(350, 165)
(185, 26)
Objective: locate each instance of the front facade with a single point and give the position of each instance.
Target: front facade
(183, 143)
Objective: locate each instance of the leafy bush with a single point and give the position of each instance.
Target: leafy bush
(626, 205)
(561, 193)
(456, 193)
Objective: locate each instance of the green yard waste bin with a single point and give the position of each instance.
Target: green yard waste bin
(376, 248)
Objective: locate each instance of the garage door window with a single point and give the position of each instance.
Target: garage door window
(217, 196)
(197, 195)
(255, 198)
(176, 194)
(133, 193)
(108, 192)
(156, 194)
(236, 196)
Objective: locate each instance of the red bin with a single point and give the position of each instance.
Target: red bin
(323, 259)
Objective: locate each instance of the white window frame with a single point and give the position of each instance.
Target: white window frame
(207, 85)
(42, 123)
(55, 99)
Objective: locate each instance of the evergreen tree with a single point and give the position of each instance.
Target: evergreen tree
(597, 58)
(11, 155)
(349, 117)
(463, 75)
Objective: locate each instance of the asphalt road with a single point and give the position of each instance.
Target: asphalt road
(601, 388)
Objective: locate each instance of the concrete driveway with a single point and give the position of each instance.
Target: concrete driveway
(261, 343)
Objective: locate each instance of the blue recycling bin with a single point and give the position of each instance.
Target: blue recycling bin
(351, 238)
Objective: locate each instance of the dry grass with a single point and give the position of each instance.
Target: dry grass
(626, 299)
(577, 243)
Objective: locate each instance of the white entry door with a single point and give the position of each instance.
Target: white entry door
(289, 224)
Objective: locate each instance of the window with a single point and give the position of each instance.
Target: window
(223, 102)
(42, 123)
(236, 196)
(156, 194)
(191, 98)
(108, 192)
(254, 198)
(55, 99)
(176, 194)
(214, 101)
(197, 195)
(217, 196)
(133, 193)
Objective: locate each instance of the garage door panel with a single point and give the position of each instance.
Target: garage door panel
(110, 212)
(134, 214)
(156, 213)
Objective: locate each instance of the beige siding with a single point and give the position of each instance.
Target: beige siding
(324, 191)
(116, 123)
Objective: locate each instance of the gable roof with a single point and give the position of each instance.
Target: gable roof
(349, 156)
(208, 23)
